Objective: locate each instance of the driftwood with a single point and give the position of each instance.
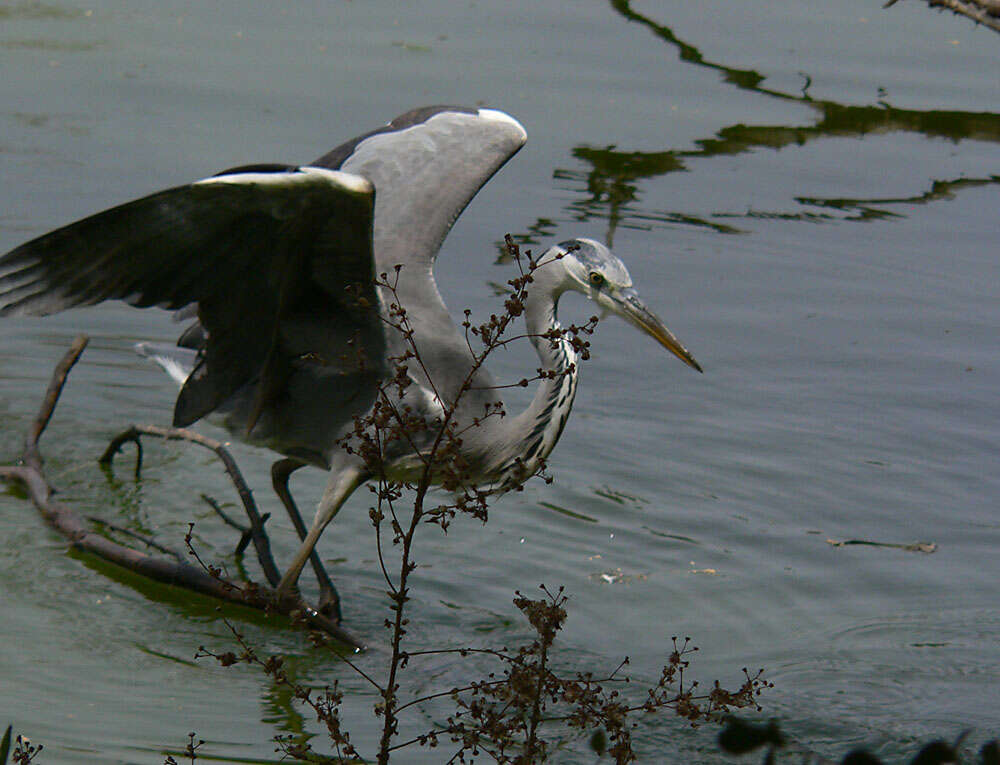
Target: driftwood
(168, 566)
(985, 12)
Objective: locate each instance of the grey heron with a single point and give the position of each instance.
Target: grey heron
(279, 264)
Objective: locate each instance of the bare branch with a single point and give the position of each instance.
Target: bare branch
(985, 12)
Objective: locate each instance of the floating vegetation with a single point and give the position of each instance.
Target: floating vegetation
(923, 547)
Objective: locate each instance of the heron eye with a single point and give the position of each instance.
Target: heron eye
(596, 279)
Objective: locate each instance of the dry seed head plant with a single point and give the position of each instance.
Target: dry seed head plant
(516, 713)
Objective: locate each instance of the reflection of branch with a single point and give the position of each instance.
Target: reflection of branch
(939, 190)
(611, 181)
(168, 568)
(834, 119)
(616, 189)
(985, 12)
(863, 209)
(746, 79)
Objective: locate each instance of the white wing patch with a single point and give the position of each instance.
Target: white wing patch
(498, 116)
(349, 182)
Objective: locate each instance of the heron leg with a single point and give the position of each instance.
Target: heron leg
(281, 471)
(341, 485)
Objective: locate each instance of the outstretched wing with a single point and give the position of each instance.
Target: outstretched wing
(426, 166)
(279, 262)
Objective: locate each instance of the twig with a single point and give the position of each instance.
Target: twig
(261, 543)
(129, 436)
(129, 533)
(246, 533)
(31, 456)
(985, 12)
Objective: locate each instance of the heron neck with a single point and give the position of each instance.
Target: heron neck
(538, 427)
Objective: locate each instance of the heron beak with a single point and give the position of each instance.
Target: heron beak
(634, 311)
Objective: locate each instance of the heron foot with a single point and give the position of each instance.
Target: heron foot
(287, 587)
(329, 604)
(287, 593)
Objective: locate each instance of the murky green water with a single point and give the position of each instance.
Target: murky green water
(806, 191)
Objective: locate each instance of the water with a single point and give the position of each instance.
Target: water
(805, 191)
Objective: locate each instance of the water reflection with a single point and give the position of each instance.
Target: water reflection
(39, 11)
(865, 209)
(282, 709)
(609, 188)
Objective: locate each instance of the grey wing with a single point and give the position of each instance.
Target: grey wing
(279, 263)
(426, 166)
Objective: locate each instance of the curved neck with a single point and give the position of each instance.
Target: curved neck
(534, 432)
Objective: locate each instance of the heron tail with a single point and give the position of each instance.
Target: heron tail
(176, 362)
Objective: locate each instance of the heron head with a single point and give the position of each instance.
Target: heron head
(593, 270)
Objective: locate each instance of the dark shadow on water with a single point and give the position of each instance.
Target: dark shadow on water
(190, 605)
(279, 708)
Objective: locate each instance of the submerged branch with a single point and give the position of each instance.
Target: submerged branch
(261, 543)
(168, 568)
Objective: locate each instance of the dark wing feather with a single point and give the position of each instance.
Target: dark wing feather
(279, 263)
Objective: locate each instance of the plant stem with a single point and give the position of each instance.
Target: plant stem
(390, 722)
